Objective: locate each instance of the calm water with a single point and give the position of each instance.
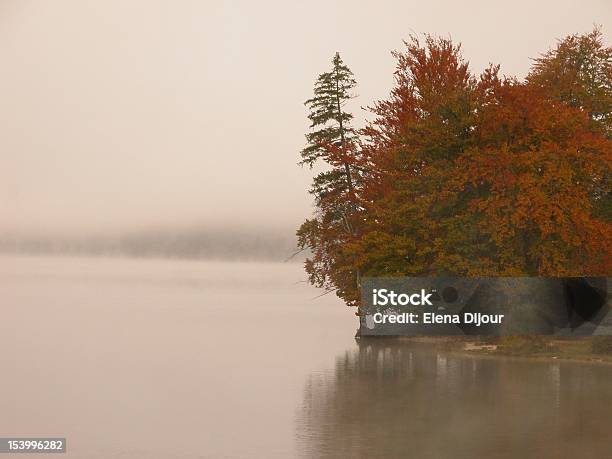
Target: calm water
(142, 358)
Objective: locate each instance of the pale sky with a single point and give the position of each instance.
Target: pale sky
(119, 115)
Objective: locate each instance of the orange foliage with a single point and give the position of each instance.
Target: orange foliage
(466, 175)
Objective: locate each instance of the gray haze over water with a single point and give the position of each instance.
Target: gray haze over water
(130, 117)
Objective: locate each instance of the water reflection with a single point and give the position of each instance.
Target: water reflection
(387, 399)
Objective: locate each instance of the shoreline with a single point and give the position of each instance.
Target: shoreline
(536, 349)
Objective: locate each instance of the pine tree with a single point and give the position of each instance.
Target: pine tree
(331, 127)
(332, 143)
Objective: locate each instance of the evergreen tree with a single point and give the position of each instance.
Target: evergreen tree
(331, 127)
(332, 144)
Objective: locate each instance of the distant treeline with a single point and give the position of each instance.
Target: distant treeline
(200, 243)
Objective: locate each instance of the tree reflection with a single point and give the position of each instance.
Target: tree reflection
(390, 399)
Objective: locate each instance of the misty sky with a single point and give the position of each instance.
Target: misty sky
(119, 115)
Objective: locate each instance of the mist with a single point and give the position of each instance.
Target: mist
(183, 119)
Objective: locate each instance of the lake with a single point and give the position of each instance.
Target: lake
(198, 359)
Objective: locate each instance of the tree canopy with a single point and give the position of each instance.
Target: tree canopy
(471, 175)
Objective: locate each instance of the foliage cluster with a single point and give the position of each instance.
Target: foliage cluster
(463, 174)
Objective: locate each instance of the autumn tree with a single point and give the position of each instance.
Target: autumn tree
(532, 172)
(474, 175)
(487, 176)
(413, 225)
(578, 71)
(542, 163)
(332, 146)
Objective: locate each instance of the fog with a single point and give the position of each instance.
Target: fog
(133, 116)
(197, 242)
